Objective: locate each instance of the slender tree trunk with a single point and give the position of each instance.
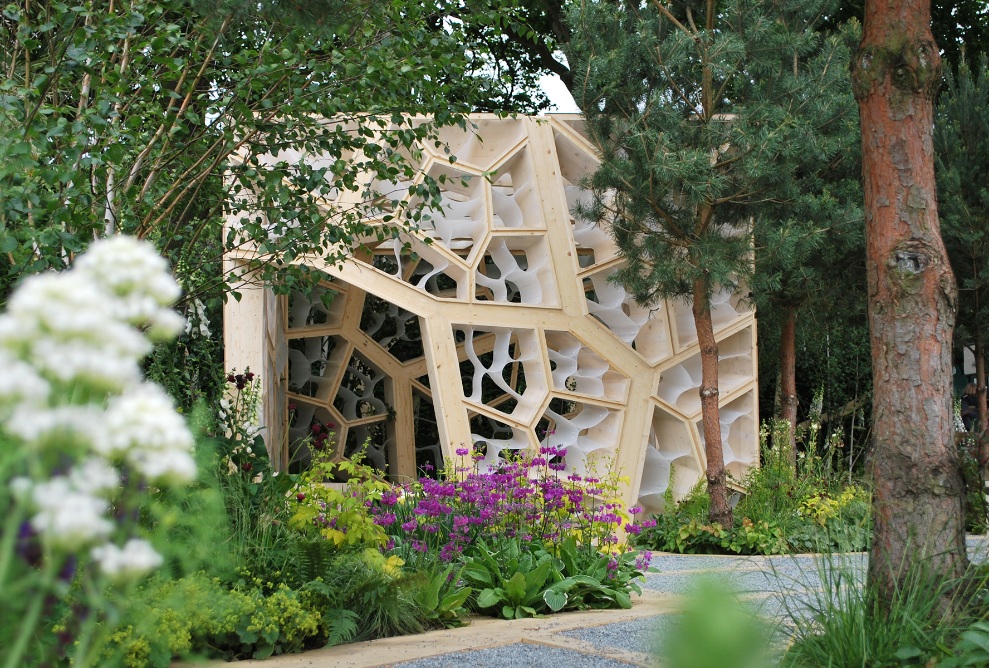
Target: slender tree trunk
(917, 503)
(717, 485)
(980, 401)
(980, 381)
(788, 379)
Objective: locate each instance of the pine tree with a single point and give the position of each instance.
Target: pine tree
(802, 240)
(961, 143)
(702, 112)
(918, 495)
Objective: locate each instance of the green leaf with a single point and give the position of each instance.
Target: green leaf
(475, 572)
(555, 599)
(489, 597)
(534, 580)
(623, 599)
(455, 600)
(429, 596)
(515, 588)
(264, 651)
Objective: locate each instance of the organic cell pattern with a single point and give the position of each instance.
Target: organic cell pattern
(496, 327)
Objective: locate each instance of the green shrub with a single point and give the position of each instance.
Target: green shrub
(781, 511)
(519, 580)
(203, 616)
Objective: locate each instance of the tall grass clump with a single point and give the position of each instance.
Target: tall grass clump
(847, 623)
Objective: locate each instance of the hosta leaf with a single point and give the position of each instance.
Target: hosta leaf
(555, 599)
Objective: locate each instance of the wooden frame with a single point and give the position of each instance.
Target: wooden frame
(503, 326)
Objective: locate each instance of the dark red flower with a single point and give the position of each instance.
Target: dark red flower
(231, 378)
(249, 376)
(300, 496)
(247, 466)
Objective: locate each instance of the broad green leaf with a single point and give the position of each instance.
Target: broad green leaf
(489, 597)
(515, 588)
(555, 599)
(475, 572)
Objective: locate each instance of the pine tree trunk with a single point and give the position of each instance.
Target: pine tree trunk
(917, 504)
(717, 485)
(980, 381)
(980, 401)
(788, 379)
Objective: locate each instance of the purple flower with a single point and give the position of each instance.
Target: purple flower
(633, 529)
(389, 498)
(462, 452)
(385, 519)
(410, 525)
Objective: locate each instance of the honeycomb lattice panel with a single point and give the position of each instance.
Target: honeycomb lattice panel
(496, 326)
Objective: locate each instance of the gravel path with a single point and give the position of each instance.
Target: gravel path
(777, 588)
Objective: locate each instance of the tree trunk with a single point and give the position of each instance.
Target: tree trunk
(788, 380)
(717, 486)
(980, 381)
(917, 504)
(980, 401)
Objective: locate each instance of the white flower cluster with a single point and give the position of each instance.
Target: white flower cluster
(197, 314)
(71, 386)
(136, 558)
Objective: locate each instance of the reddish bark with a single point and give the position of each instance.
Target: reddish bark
(980, 382)
(980, 402)
(717, 485)
(788, 379)
(917, 503)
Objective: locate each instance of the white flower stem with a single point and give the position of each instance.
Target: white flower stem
(31, 617)
(7, 547)
(85, 637)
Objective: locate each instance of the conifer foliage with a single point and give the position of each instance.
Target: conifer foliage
(702, 112)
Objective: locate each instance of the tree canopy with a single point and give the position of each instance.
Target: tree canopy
(152, 118)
